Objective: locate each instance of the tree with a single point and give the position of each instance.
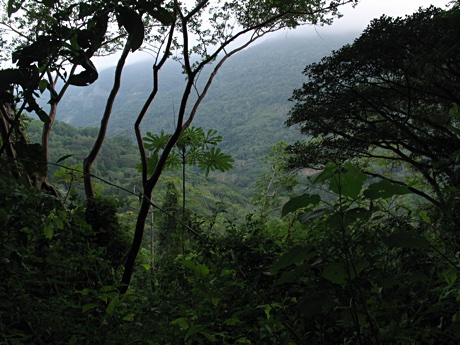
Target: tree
(392, 94)
(194, 147)
(200, 34)
(169, 238)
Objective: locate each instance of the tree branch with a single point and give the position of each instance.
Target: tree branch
(89, 160)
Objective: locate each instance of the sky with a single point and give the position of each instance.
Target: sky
(354, 20)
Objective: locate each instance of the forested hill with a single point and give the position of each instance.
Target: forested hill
(247, 102)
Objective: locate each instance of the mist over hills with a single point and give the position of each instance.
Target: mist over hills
(247, 102)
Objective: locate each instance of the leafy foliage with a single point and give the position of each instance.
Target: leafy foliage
(390, 95)
(194, 147)
(351, 260)
(49, 254)
(356, 262)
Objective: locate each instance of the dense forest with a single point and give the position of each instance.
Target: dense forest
(345, 233)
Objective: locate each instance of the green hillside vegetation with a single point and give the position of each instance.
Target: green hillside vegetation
(247, 103)
(117, 165)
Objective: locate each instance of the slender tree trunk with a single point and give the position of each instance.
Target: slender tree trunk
(183, 203)
(43, 180)
(89, 160)
(136, 244)
(4, 129)
(152, 244)
(53, 110)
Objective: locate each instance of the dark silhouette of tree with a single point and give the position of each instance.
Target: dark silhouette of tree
(392, 94)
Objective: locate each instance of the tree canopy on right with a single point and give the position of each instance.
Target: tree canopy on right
(392, 94)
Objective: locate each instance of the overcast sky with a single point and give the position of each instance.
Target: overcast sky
(354, 20)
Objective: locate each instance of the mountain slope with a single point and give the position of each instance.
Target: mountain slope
(247, 102)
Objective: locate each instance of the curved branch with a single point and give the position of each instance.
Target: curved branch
(412, 189)
(148, 102)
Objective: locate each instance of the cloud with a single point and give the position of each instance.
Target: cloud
(356, 19)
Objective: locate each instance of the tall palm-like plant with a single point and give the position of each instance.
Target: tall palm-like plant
(195, 147)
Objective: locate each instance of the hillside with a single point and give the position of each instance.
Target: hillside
(117, 165)
(247, 103)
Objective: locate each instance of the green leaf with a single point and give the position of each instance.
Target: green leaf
(42, 115)
(193, 330)
(450, 275)
(202, 270)
(292, 276)
(407, 240)
(355, 214)
(312, 215)
(299, 202)
(232, 321)
(325, 175)
(63, 158)
(88, 306)
(58, 223)
(336, 273)
(155, 142)
(335, 221)
(42, 85)
(227, 272)
(114, 303)
(85, 292)
(14, 6)
(132, 22)
(359, 266)
(86, 77)
(267, 311)
(296, 255)
(183, 323)
(49, 3)
(33, 106)
(210, 337)
(213, 160)
(384, 189)
(454, 129)
(74, 45)
(211, 137)
(423, 214)
(129, 317)
(73, 340)
(84, 10)
(348, 181)
(48, 230)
